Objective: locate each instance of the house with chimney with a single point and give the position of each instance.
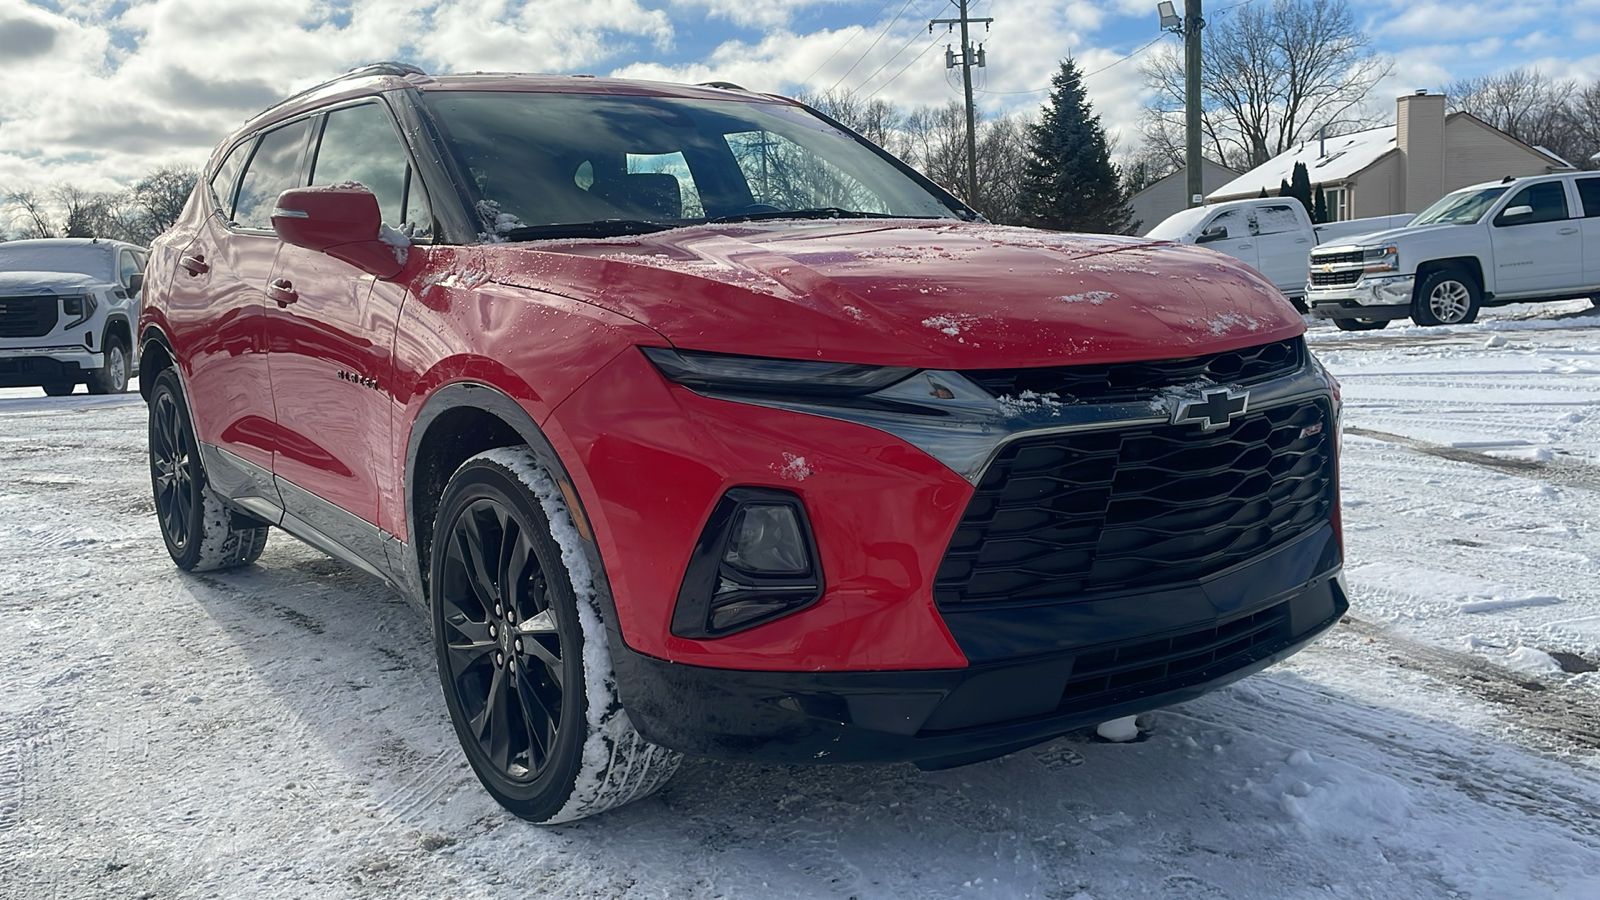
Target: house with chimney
(1399, 168)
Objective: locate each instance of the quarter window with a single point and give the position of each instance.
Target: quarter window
(222, 181)
(359, 144)
(275, 168)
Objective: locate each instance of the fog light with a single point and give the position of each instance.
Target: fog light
(755, 561)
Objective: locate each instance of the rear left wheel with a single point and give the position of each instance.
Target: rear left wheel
(1360, 324)
(522, 653)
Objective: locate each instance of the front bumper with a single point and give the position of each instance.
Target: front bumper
(945, 717)
(34, 366)
(1369, 298)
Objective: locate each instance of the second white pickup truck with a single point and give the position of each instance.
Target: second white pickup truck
(1271, 234)
(1514, 241)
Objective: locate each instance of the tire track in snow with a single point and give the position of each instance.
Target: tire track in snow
(1572, 475)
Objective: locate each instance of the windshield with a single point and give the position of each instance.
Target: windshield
(1175, 226)
(553, 165)
(1461, 208)
(93, 260)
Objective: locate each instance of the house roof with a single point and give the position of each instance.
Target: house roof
(1328, 162)
(1209, 171)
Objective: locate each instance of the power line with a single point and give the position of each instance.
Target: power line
(880, 37)
(848, 41)
(913, 40)
(931, 44)
(1096, 71)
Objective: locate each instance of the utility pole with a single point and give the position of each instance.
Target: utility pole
(967, 58)
(1192, 24)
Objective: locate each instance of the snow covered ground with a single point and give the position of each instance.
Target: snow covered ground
(279, 732)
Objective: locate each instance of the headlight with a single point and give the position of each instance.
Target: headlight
(78, 308)
(1381, 259)
(762, 375)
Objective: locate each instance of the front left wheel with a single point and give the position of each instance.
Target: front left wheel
(112, 376)
(522, 653)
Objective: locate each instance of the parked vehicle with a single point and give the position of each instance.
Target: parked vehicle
(67, 308)
(1515, 241)
(699, 424)
(1272, 234)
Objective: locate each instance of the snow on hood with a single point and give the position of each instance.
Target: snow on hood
(22, 283)
(917, 293)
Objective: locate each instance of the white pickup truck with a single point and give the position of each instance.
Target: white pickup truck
(1271, 234)
(1513, 241)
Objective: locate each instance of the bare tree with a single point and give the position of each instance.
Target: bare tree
(27, 206)
(1586, 107)
(1271, 77)
(161, 196)
(1530, 107)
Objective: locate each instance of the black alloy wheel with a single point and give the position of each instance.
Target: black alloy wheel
(173, 469)
(508, 642)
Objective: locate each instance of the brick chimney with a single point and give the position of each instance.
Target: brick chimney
(1420, 135)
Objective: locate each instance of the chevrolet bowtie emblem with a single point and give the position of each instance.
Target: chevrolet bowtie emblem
(1213, 409)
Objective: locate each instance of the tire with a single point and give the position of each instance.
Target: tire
(111, 378)
(1360, 324)
(59, 388)
(522, 652)
(1446, 297)
(200, 532)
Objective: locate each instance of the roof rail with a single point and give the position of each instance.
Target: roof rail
(724, 85)
(397, 69)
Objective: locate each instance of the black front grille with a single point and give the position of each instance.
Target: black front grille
(1335, 279)
(1104, 677)
(1132, 381)
(1059, 516)
(28, 316)
(1349, 257)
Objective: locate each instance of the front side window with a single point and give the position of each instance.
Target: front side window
(548, 164)
(273, 169)
(359, 145)
(127, 267)
(1234, 222)
(1549, 202)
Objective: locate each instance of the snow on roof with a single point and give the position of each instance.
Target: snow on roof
(1345, 155)
(1554, 155)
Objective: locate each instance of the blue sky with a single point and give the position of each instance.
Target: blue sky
(100, 91)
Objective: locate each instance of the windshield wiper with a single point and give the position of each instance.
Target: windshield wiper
(823, 212)
(601, 228)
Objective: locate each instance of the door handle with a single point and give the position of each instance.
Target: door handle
(1302, 240)
(194, 264)
(1570, 229)
(1246, 246)
(283, 291)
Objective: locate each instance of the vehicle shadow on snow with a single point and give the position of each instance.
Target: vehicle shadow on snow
(1277, 773)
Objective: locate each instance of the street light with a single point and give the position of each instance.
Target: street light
(1170, 20)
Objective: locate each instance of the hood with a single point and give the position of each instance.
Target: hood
(914, 293)
(1387, 236)
(16, 284)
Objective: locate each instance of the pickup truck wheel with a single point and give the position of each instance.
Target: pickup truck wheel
(522, 652)
(58, 388)
(199, 531)
(1360, 324)
(1446, 297)
(111, 378)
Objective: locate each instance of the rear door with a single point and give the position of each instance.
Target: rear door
(1236, 239)
(1541, 251)
(1589, 198)
(1283, 245)
(331, 337)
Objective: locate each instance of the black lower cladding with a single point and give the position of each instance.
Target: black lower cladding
(945, 717)
(28, 371)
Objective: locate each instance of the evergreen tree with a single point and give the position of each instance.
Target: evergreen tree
(1263, 194)
(1300, 186)
(1319, 207)
(1283, 188)
(1069, 183)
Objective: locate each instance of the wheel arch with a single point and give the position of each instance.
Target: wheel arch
(117, 327)
(155, 356)
(1471, 266)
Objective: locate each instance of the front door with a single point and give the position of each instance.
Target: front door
(331, 338)
(1235, 238)
(1539, 251)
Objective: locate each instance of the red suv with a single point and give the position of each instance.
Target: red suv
(699, 424)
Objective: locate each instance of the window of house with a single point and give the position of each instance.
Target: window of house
(359, 144)
(1338, 200)
(273, 169)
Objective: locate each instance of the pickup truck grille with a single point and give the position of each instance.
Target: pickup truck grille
(1061, 515)
(22, 317)
(1349, 257)
(1125, 382)
(1335, 279)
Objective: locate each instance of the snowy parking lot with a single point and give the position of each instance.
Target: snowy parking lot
(278, 731)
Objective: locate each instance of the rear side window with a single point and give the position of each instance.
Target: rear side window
(1589, 190)
(275, 168)
(222, 181)
(1276, 219)
(1549, 202)
(359, 144)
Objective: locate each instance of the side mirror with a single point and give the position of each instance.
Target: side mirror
(342, 222)
(135, 283)
(1516, 212)
(1214, 233)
